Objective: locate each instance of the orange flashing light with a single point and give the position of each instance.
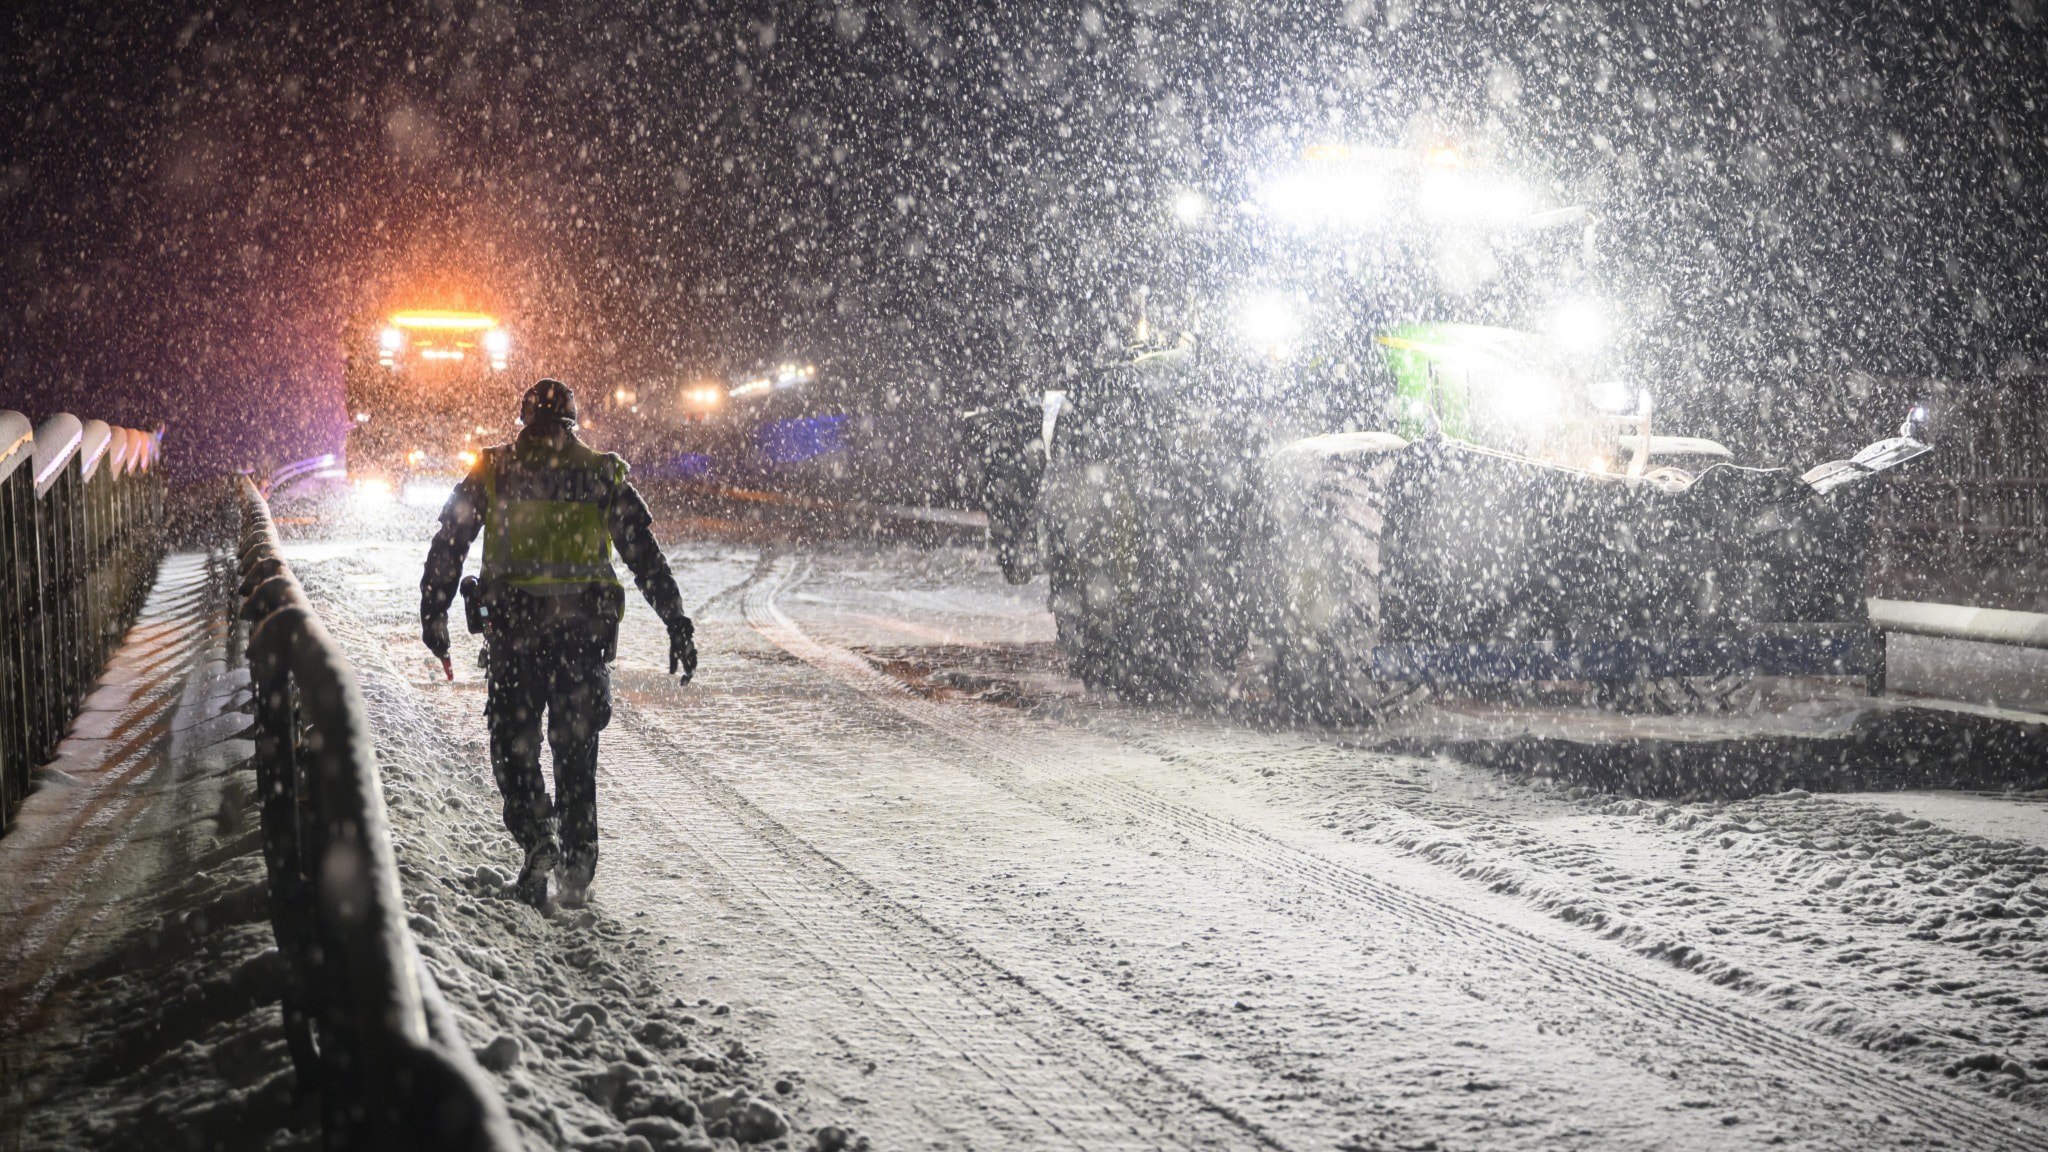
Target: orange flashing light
(437, 320)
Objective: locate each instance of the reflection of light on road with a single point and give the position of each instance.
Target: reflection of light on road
(428, 493)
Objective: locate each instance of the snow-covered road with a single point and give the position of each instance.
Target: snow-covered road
(954, 901)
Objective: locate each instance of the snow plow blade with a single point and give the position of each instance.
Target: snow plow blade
(1464, 565)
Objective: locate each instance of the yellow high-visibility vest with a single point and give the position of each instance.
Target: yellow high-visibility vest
(545, 526)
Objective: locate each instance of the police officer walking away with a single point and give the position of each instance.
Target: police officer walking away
(550, 509)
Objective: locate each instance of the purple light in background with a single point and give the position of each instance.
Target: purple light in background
(794, 441)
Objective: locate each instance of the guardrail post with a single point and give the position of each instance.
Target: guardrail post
(277, 781)
(17, 585)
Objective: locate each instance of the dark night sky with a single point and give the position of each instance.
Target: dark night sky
(196, 199)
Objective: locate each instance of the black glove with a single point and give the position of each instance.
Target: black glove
(434, 633)
(682, 650)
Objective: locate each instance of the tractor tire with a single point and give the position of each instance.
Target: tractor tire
(1326, 573)
(1112, 634)
(1086, 639)
(1083, 534)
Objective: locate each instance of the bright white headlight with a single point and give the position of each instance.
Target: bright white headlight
(1270, 322)
(427, 493)
(1326, 197)
(1612, 396)
(497, 342)
(1578, 326)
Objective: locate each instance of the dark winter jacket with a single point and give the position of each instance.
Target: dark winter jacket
(538, 462)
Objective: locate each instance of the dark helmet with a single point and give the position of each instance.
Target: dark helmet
(548, 400)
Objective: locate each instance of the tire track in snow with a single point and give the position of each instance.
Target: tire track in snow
(1085, 1090)
(1824, 1070)
(1136, 961)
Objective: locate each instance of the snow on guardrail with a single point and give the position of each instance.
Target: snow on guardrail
(1960, 622)
(365, 1024)
(77, 558)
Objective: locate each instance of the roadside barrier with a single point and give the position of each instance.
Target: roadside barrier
(81, 531)
(1961, 622)
(326, 466)
(367, 1029)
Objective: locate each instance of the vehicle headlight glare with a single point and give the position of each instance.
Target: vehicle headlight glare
(1579, 326)
(1462, 197)
(1337, 197)
(427, 493)
(1271, 323)
(1613, 396)
(1528, 402)
(373, 492)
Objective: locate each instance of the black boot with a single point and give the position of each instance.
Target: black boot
(532, 885)
(575, 876)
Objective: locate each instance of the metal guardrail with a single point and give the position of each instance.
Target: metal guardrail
(1960, 622)
(366, 1027)
(81, 532)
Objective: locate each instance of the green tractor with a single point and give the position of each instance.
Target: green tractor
(1358, 470)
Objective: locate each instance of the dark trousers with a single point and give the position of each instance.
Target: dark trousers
(552, 662)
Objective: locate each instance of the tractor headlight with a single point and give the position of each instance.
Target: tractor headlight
(1270, 323)
(1578, 326)
(1527, 402)
(1613, 396)
(390, 340)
